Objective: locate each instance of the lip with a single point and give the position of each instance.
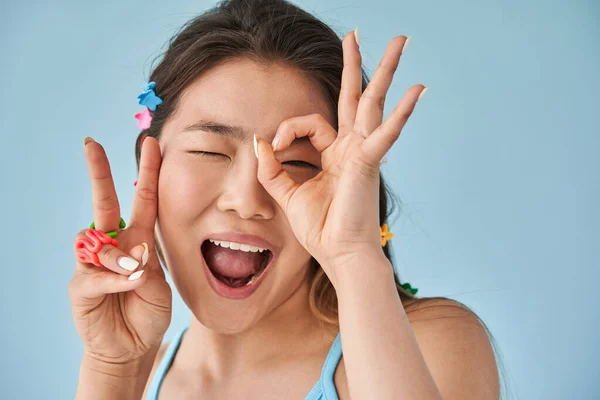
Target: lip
(245, 291)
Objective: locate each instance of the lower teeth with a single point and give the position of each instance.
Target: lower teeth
(227, 281)
(251, 280)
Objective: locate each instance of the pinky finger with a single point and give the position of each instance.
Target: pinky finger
(98, 284)
(378, 143)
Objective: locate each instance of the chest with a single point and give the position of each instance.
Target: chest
(279, 384)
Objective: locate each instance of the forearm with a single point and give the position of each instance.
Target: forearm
(98, 380)
(381, 354)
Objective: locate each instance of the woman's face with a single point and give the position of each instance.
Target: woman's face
(204, 196)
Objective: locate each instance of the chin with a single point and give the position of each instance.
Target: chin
(226, 319)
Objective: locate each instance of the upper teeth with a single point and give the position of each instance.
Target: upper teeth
(237, 246)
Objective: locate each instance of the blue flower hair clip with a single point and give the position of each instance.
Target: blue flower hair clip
(148, 98)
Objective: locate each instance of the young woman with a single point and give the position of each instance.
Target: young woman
(259, 191)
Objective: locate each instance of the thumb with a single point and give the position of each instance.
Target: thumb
(155, 290)
(276, 181)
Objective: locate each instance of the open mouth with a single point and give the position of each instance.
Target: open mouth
(235, 264)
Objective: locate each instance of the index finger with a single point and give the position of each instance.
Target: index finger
(145, 201)
(107, 213)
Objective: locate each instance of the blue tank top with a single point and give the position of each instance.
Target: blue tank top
(324, 389)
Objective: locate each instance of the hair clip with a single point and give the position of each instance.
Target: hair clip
(144, 119)
(148, 98)
(406, 286)
(385, 234)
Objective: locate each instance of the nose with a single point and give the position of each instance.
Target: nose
(242, 192)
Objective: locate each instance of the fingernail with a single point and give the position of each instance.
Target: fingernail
(145, 255)
(255, 146)
(357, 36)
(406, 44)
(87, 140)
(422, 93)
(135, 183)
(275, 142)
(136, 275)
(127, 263)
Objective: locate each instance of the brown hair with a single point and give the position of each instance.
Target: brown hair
(267, 31)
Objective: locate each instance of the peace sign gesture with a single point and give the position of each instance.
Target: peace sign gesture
(335, 215)
(122, 315)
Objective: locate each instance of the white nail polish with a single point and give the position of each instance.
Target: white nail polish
(357, 36)
(406, 44)
(275, 142)
(136, 275)
(145, 255)
(128, 263)
(422, 93)
(255, 146)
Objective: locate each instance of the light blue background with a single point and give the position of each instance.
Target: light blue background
(497, 169)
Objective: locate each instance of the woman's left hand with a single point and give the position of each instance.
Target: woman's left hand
(335, 215)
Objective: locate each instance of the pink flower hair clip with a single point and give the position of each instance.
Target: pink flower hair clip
(149, 99)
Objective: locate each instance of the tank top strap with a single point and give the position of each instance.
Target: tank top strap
(324, 389)
(164, 365)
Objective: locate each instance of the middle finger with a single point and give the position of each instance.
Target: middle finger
(351, 88)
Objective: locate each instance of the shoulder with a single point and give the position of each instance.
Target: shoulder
(456, 347)
(159, 356)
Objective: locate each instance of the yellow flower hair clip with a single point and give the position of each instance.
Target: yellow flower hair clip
(385, 234)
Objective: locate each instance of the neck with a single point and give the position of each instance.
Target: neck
(287, 332)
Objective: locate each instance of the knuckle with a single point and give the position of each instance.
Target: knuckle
(80, 234)
(108, 253)
(347, 91)
(285, 126)
(97, 281)
(388, 65)
(73, 287)
(319, 119)
(380, 103)
(147, 194)
(108, 203)
(377, 100)
(404, 115)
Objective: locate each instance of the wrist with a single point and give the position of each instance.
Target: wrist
(130, 369)
(361, 266)
(100, 379)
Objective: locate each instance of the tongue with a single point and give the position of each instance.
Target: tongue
(232, 263)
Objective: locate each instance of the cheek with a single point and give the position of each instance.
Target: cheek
(185, 188)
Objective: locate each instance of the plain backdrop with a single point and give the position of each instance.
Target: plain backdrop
(497, 169)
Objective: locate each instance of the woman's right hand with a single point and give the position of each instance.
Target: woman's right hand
(121, 320)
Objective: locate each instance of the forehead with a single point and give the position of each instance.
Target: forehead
(255, 96)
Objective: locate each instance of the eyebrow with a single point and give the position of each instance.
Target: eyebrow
(218, 128)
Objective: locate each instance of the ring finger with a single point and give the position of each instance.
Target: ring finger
(113, 258)
(370, 108)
